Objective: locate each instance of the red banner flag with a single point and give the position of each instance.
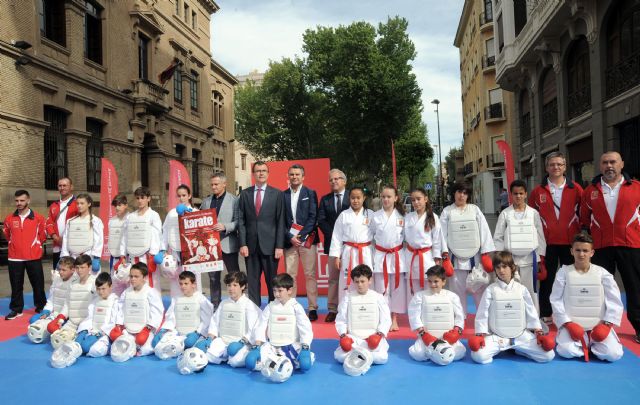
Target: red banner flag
(177, 175)
(393, 165)
(108, 190)
(508, 163)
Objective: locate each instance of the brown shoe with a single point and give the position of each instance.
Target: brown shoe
(331, 317)
(313, 315)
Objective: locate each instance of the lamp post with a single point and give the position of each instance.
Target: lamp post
(439, 187)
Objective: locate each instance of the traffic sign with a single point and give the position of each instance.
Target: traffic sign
(427, 186)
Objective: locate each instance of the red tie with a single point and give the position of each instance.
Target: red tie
(258, 201)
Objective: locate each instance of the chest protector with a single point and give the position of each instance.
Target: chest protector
(521, 237)
(136, 310)
(187, 312)
(283, 330)
(80, 296)
(463, 232)
(173, 233)
(437, 314)
(583, 297)
(507, 313)
(364, 316)
(138, 235)
(102, 311)
(80, 236)
(115, 236)
(59, 292)
(233, 324)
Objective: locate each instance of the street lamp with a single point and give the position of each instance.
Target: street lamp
(439, 187)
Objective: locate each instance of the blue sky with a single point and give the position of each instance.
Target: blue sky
(247, 34)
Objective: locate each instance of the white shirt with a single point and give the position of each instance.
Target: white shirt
(295, 196)
(388, 232)
(486, 241)
(262, 189)
(252, 315)
(610, 196)
(384, 318)
(338, 198)
(62, 220)
(206, 311)
(415, 308)
(556, 194)
(482, 316)
(352, 227)
(302, 323)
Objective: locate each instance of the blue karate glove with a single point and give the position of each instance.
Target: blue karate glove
(158, 337)
(203, 344)
(95, 265)
(304, 358)
(45, 313)
(191, 339)
(252, 358)
(81, 335)
(235, 347)
(87, 342)
(159, 257)
(181, 209)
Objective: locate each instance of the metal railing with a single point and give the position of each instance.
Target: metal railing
(488, 61)
(579, 101)
(484, 19)
(550, 115)
(525, 127)
(623, 75)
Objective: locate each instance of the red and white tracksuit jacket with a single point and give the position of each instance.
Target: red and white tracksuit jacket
(52, 219)
(558, 230)
(25, 237)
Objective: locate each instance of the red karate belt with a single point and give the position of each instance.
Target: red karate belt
(151, 266)
(394, 251)
(360, 247)
(417, 252)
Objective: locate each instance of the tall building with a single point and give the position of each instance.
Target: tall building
(574, 67)
(485, 105)
(80, 81)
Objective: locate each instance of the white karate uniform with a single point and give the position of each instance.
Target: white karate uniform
(417, 238)
(525, 345)
(155, 314)
(169, 226)
(458, 282)
(609, 349)
(303, 325)
(217, 352)
(388, 232)
(351, 227)
(97, 229)
(155, 227)
(101, 347)
(380, 353)
(524, 262)
(418, 351)
(117, 286)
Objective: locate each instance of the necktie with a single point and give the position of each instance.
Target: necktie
(258, 200)
(338, 203)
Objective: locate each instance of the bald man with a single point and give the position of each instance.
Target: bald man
(610, 211)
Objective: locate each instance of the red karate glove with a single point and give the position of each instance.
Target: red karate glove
(453, 335)
(346, 343)
(448, 266)
(575, 331)
(542, 270)
(116, 332)
(427, 338)
(600, 332)
(151, 264)
(547, 342)
(142, 336)
(55, 324)
(374, 340)
(476, 343)
(487, 263)
(119, 263)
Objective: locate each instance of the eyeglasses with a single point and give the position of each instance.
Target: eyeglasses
(556, 165)
(335, 179)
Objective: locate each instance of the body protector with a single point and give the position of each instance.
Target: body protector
(521, 237)
(102, 312)
(283, 330)
(233, 325)
(277, 368)
(363, 315)
(123, 348)
(357, 362)
(437, 314)
(507, 312)
(138, 235)
(115, 236)
(136, 310)
(583, 297)
(80, 296)
(463, 232)
(187, 312)
(173, 233)
(66, 355)
(60, 291)
(191, 361)
(80, 236)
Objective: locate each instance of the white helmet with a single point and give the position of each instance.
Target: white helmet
(169, 267)
(122, 274)
(191, 361)
(62, 336)
(123, 348)
(357, 362)
(37, 331)
(441, 352)
(66, 355)
(477, 279)
(169, 346)
(277, 368)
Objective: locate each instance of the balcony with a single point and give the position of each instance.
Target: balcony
(149, 98)
(494, 113)
(488, 63)
(579, 101)
(474, 122)
(623, 76)
(485, 21)
(495, 160)
(550, 115)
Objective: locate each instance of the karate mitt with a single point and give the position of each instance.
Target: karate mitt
(453, 335)
(158, 337)
(181, 209)
(203, 344)
(159, 257)
(447, 265)
(56, 323)
(45, 313)
(487, 263)
(427, 338)
(600, 332)
(304, 358)
(547, 342)
(116, 332)
(191, 339)
(87, 341)
(575, 331)
(235, 347)
(476, 343)
(374, 340)
(143, 336)
(253, 358)
(542, 270)
(346, 343)
(95, 264)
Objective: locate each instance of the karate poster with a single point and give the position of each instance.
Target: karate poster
(201, 250)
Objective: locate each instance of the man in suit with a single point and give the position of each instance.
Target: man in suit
(301, 204)
(226, 206)
(261, 227)
(331, 205)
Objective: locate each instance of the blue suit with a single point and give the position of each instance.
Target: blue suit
(306, 214)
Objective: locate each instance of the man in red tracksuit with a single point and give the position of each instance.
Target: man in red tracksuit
(24, 229)
(59, 212)
(610, 210)
(557, 200)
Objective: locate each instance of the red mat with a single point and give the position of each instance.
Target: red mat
(16, 327)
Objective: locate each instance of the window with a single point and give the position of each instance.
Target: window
(193, 88)
(177, 86)
(94, 155)
(525, 117)
(629, 135)
(218, 107)
(186, 13)
(549, 101)
(92, 33)
(195, 179)
(55, 147)
(180, 149)
(194, 20)
(623, 48)
(243, 161)
(51, 16)
(143, 56)
(579, 78)
(519, 15)
(177, 7)
(488, 11)
(500, 35)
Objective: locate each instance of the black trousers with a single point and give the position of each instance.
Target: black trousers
(55, 257)
(627, 260)
(36, 278)
(231, 264)
(555, 257)
(257, 263)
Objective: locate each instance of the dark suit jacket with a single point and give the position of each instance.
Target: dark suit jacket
(267, 230)
(327, 216)
(306, 214)
(228, 216)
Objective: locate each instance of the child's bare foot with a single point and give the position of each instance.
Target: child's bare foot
(394, 323)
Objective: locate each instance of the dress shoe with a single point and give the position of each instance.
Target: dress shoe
(331, 317)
